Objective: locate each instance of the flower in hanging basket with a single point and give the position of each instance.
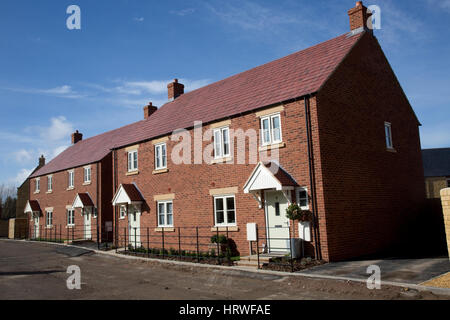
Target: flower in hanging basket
(294, 212)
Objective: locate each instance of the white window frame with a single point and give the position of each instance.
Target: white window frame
(163, 156)
(388, 135)
(37, 185)
(49, 183)
(165, 203)
(271, 131)
(133, 163)
(297, 193)
(123, 212)
(219, 154)
(225, 211)
(87, 174)
(47, 215)
(70, 217)
(71, 179)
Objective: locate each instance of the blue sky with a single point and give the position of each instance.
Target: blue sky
(54, 80)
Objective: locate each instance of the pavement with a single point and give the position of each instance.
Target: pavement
(31, 270)
(407, 271)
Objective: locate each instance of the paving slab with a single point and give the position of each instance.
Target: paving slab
(413, 271)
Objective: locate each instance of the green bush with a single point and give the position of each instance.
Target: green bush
(221, 239)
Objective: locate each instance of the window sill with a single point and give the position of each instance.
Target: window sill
(122, 218)
(272, 146)
(70, 227)
(37, 192)
(159, 171)
(166, 229)
(224, 229)
(222, 160)
(49, 227)
(132, 173)
(87, 183)
(392, 150)
(70, 188)
(49, 192)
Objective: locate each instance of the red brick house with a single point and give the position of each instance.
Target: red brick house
(329, 128)
(344, 135)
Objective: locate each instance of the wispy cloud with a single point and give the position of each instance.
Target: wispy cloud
(442, 4)
(183, 12)
(63, 91)
(139, 19)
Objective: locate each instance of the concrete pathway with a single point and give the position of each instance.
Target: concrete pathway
(413, 271)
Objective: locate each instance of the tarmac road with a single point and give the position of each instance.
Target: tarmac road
(39, 271)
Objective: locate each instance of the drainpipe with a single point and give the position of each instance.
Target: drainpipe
(116, 228)
(312, 180)
(98, 209)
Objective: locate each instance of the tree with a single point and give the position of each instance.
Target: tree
(8, 199)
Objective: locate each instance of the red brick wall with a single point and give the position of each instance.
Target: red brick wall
(60, 197)
(370, 194)
(191, 184)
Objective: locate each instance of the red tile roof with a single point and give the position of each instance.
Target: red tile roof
(296, 75)
(132, 192)
(285, 178)
(86, 200)
(34, 205)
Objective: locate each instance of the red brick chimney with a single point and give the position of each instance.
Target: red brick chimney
(76, 137)
(359, 17)
(149, 110)
(175, 89)
(41, 161)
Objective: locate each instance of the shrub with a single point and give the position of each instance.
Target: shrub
(221, 239)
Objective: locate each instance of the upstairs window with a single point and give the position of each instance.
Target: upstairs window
(221, 143)
(271, 129)
(165, 214)
(388, 133)
(38, 185)
(49, 183)
(160, 156)
(71, 179)
(87, 175)
(132, 161)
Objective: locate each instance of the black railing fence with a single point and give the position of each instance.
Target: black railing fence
(195, 244)
(71, 234)
(278, 248)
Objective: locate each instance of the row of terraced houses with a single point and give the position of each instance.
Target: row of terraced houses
(334, 132)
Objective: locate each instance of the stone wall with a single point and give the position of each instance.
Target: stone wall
(445, 198)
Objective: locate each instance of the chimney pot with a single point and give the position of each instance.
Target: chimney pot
(149, 110)
(76, 137)
(41, 161)
(175, 90)
(359, 17)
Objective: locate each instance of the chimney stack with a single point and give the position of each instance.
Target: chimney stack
(41, 161)
(76, 137)
(175, 90)
(149, 110)
(359, 17)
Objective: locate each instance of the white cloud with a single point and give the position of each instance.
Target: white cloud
(64, 91)
(182, 12)
(23, 155)
(139, 19)
(59, 129)
(20, 177)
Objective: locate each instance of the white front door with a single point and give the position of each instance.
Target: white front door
(277, 223)
(87, 223)
(36, 225)
(134, 223)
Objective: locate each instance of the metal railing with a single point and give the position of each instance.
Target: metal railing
(194, 244)
(280, 246)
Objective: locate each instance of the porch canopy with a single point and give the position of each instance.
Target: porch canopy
(268, 176)
(127, 194)
(32, 206)
(82, 200)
